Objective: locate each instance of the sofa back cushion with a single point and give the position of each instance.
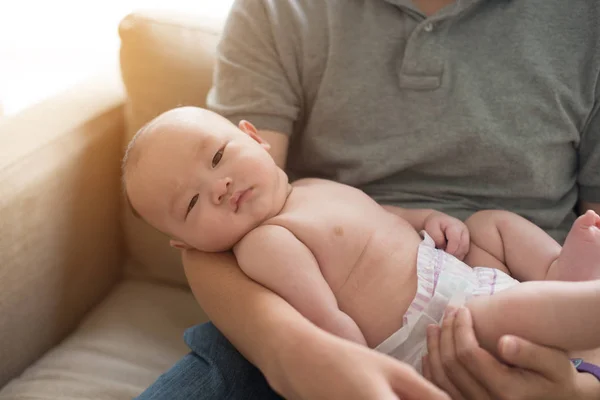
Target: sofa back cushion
(166, 61)
(60, 234)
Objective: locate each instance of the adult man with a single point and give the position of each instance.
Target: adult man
(457, 106)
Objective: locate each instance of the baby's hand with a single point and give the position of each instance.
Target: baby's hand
(449, 234)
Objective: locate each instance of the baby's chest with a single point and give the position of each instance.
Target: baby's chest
(331, 238)
(335, 235)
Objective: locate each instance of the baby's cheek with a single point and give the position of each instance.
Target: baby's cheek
(263, 166)
(215, 241)
(204, 233)
(228, 231)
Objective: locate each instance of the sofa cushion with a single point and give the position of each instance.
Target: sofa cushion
(60, 235)
(121, 347)
(166, 61)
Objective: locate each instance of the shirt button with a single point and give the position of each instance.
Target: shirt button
(428, 27)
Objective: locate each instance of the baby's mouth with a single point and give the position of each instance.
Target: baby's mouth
(237, 198)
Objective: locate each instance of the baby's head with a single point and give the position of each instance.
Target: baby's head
(195, 176)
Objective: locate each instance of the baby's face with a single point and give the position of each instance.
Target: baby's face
(204, 181)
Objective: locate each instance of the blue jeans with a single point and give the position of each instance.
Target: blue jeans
(214, 369)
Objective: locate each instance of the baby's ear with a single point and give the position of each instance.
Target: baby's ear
(251, 131)
(178, 244)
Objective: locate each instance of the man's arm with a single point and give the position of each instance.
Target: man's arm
(298, 359)
(259, 323)
(279, 145)
(291, 270)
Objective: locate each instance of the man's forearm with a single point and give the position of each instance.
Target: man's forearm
(345, 327)
(415, 217)
(260, 324)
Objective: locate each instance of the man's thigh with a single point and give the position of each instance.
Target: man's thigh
(214, 369)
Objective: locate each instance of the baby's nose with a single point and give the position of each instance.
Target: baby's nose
(220, 189)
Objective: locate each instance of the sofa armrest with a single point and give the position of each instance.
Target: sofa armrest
(60, 237)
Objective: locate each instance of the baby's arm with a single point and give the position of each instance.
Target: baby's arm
(551, 313)
(449, 234)
(272, 256)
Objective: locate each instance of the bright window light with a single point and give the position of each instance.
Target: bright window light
(47, 46)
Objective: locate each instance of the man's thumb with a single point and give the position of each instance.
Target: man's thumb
(546, 361)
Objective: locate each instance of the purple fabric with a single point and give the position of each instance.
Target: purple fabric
(582, 366)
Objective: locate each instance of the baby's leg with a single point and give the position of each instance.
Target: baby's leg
(580, 256)
(506, 241)
(556, 314)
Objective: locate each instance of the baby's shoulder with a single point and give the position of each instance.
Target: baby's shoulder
(313, 182)
(322, 193)
(317, 185)
(263, 234)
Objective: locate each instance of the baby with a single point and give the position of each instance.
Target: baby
(354, 268)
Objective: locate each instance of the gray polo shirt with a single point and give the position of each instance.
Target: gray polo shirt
(485, 105)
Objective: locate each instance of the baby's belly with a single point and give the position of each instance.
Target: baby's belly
(382, 284)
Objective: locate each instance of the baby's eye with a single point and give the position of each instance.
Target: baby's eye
(192, 204)
(217, 158)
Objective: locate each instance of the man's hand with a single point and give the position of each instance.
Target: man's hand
(448, 233)
(466, 371)
(333, 368)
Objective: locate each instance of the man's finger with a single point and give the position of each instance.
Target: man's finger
(469, 387)
(436, 369)
(480, 364)
(447, 352)
(409, 385)
(551, 363)
(389, 395)
(426, 368)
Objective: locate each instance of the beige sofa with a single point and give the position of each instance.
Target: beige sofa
(93, 303)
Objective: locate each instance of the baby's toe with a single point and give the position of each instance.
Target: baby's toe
(590, 218)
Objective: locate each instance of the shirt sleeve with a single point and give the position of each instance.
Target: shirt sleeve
(589, 157)
(254, 76)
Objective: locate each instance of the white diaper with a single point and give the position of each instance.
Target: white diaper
(443, 280)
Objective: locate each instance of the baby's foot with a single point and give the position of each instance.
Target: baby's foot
(579, 259)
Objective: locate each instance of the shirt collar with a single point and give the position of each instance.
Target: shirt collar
(460, 6)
